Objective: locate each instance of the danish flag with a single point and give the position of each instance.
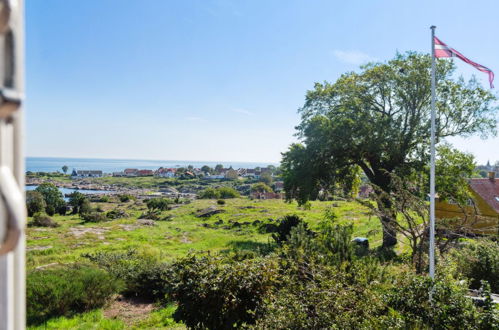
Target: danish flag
(442, 50)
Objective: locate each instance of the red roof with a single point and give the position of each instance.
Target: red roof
(487, 189)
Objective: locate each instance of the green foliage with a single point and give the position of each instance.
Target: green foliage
(221, 202)
(448, 309)
(212, 294)
(126, 198)
(116, 214)
(266, 178)
(377, 119)
(260, 187)
(322, 298)
(94, 217)
(77, 201)
(65, 169)
(66, 290)
(453, 169)
(142, 275)
(52, 196)
(43, 220)
(35, 202)
(159, 204)
(479, 261)
(285, 227)
(217, 193)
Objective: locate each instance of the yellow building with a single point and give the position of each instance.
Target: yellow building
(481, 215)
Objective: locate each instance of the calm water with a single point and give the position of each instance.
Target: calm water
(67, 191)
(49, 164)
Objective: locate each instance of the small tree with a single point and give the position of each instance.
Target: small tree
(35, 202)
(52, 196)
(260, 187)
(76, 200)
(266, 178)
(65, 169)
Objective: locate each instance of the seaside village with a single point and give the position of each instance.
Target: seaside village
(206, 173)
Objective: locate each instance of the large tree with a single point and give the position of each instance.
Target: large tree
(378, 119)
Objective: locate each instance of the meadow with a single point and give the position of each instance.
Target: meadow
(237, 228)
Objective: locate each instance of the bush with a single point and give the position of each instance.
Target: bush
(212, 294)
(126, 198)
(116, 214)
(50, 210)
(64, 291)
(322, 298)
(43, 220)
(480, 261)
(449, 309)
(209, 193)
(220, 202)
(94, 217)
(142, 275)
(160, 204)
(34, 202)
(285, 226)
(221, 192)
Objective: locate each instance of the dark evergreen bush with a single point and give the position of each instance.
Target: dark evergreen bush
(66, 290)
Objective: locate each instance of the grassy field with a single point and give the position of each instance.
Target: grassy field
(236, 228)
(185, 232)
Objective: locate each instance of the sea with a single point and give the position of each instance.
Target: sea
(53, 164)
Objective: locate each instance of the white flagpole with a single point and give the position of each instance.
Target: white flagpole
(432, 160)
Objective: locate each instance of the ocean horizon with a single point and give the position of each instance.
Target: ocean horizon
(55, 164)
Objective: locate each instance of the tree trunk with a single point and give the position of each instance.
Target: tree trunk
(389, 232)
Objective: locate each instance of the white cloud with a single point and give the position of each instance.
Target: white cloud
(353, 56)
(244, 112)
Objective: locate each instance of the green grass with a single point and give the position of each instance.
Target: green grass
(185, 232)
(168, 240)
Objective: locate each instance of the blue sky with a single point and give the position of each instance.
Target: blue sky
(217, 80)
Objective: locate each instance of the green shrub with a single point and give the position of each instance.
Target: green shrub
(142, 276)
(214, 294)
(43, 220)
(219, 193)
(479, 261)
(66, 290)
(126, 198)
(160, 204)
(220, 202)
(94, 217)
(209, 193)
(50, 210)
(285, 226)
(35, 202)
(321, 297)
(228, 192)
(449, 309)
(116, 214)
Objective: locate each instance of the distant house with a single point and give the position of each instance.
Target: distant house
(118, 173)
(145, 173)
(252, 173)
(86, 174)
(131, 172)
(481, 213)
(165, 172)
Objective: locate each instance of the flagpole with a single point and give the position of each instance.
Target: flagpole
(432, 159)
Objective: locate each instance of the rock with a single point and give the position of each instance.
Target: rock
(38, 248)
(208, 212)
(219, 222)
(146, 222)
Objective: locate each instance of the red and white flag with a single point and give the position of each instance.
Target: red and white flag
(442, 50)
